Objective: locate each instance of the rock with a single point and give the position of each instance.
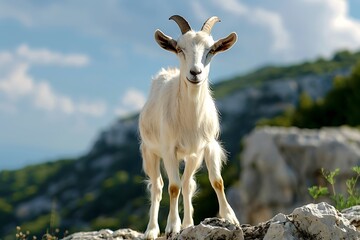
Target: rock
(313, 221)
(321, 221)
(211, 228)
(284, 162)
(107, 234)
(353, 215)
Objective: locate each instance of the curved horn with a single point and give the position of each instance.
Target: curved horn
(183, 24)
(208, 25)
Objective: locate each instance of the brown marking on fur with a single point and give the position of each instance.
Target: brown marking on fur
(174, 191)
(219, 185)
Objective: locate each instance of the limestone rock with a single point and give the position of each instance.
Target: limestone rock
(283, 162)
(353, 215)
(313, 221)
(107, 234)
(211, 228)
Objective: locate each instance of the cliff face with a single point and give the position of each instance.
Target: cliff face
(284, 162)
(313, 221)
(241, 110)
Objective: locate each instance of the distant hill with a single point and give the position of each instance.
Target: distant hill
(105, 188)
(341, 60)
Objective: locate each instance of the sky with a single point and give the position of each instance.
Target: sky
(69, 69)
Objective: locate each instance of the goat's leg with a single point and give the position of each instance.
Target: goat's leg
(192, 163)
(214, 156)
(151, 166)
(171, 164)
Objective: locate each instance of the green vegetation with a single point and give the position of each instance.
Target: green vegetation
(340, 201)
(20, 235)
(339, 107)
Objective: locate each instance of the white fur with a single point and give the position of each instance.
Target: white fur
(180, 122)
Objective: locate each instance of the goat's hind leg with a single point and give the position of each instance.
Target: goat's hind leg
(151, 166)
(214, 156)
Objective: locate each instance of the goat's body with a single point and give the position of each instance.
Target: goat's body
(180, 121)
(177, 123)
(171, 120)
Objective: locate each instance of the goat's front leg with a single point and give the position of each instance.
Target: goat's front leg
(151, 166)
(192, 163)
(171, 164)
(214, 156)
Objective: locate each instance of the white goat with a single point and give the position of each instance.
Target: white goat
(180, 121)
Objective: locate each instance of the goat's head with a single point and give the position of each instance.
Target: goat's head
(195, 49)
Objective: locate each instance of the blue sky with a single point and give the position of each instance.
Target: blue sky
(68, 69)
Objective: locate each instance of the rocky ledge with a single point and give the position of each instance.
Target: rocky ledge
(312, 221)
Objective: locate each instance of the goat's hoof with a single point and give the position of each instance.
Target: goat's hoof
(172, 229)
(151, 234)
(230, 216)
(169, 235)
(232, 219)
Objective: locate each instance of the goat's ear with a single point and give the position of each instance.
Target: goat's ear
(165, 41)
(224, 44)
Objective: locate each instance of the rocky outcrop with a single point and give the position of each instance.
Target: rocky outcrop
(283, 162)
(211, 228)
(353, 215)
(106, 234)
(313, 221)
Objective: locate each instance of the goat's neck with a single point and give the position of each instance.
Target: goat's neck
(193, 97)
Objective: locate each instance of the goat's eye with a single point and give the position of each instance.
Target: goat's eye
(211, 52)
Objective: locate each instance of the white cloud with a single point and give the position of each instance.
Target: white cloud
(343, 31)
(281, 37)
(299, 30)
(199, 11)
(320, 27)
(233, 6)
(271, 20)
(16, 83)
(45, 57)
(132, 101)
(45, 97)
(66, 104)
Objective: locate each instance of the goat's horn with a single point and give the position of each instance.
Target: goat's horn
(208, 25)
(183, 24)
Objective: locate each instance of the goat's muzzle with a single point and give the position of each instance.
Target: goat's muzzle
(195, 80)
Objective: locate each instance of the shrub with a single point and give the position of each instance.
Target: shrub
(340, 201)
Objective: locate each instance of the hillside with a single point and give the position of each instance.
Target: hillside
(340, 106)
(340, 61)
(105, 188)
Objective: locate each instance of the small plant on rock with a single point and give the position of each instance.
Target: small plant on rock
(340, 201)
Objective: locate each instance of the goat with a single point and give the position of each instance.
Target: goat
(179, 121)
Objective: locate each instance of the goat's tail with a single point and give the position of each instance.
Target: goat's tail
(215, 155)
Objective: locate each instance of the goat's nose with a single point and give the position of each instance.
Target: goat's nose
(195, 71)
